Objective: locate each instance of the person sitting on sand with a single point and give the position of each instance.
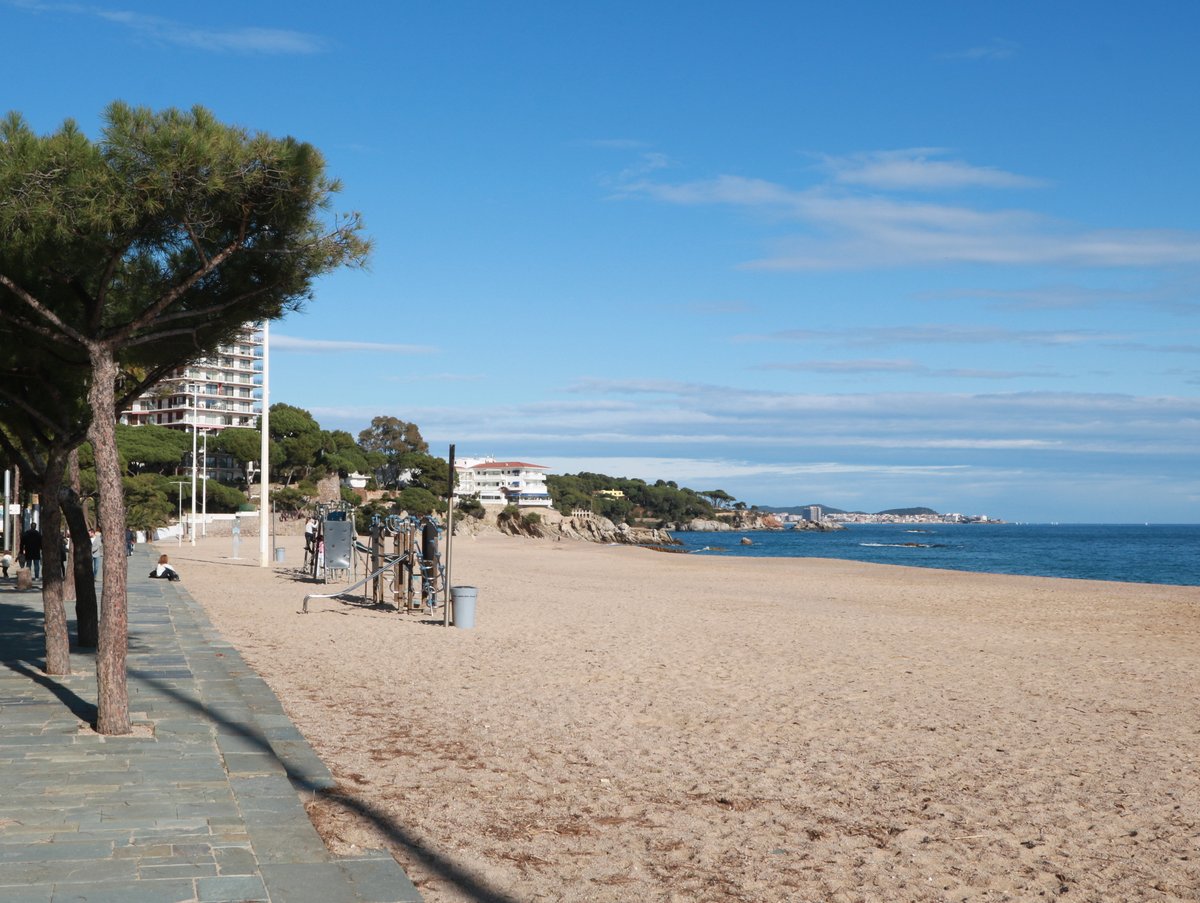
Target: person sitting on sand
(164, 571)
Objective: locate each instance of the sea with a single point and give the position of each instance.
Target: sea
(1132, 553)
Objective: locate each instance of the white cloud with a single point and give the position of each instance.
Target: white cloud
(334, 346)
(422, 377)
(844, 230)
(249, 40)
(916, 169)
(897, 366)
(942, 335)
(693, 470)
(1174, 296)
(997, 49)
(645, 164)
(850, 366)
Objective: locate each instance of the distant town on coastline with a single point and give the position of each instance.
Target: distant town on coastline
(891, 516)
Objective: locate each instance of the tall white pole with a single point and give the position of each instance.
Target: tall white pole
(8, 539)
(204, 490)
(195, 427)
(264, 424)
(180, 484)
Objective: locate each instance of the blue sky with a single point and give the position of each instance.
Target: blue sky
(853, 254)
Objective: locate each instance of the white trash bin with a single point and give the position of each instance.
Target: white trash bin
(463, 598)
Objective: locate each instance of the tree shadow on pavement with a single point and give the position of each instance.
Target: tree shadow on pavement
(23, 651)
(470, 885)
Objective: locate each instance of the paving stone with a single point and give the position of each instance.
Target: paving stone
(159, 870)
(34, 894)
(380, 881)
(279, 843)
(22, 873)
(235, 889)
(173, 891)
(205, 807)
(235, 861)
(307, 883)
(50, 852)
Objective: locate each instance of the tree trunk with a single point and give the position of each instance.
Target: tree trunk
(112, 691)
(87, 625)
(65, 558)
(58, 641)
(70, 482)
(80, 566)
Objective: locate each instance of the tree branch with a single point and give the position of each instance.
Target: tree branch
(106, 280)
(35, 412)
(139, 388)
(151, 313)
(196, 242)
(45, 313)
(206, 313)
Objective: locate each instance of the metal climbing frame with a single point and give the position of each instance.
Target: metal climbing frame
(331, 555)
(410, 575)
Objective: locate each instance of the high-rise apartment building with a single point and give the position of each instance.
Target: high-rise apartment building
(215, 392)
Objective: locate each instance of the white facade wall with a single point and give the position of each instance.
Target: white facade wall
(228, 390)
(502, 482)
(228, 393)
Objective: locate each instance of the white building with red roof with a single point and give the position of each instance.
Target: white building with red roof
(502, 482)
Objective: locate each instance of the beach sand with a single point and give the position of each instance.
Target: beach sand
(629, 725)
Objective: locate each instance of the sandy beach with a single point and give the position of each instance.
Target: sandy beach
(629, 725)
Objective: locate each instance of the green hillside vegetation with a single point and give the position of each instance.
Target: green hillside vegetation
(661, 502)
(393, 455)
(156, 460)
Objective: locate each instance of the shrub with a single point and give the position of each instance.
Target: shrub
(289, 499)
(471, 507)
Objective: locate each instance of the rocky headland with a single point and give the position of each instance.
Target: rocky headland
(742, 522)
(547, 523)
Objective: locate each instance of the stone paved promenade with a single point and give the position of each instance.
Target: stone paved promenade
(205, 802)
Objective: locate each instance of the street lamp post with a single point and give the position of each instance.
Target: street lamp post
(264, 424)
(204, 490)
(195, 427)
(180, 484)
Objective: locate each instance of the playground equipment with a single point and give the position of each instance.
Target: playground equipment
(328, 553)
(408, 576)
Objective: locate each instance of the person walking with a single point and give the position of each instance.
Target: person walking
(97, 551)
(31, 550)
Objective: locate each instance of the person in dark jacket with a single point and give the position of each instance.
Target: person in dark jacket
(31, 551)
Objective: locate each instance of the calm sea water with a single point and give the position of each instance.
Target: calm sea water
(1126, 552)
